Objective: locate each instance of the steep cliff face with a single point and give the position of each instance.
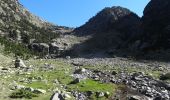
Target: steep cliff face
(156, 24)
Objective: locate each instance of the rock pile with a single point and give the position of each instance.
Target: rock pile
(139, 82)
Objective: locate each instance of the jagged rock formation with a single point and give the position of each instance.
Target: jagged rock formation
(156, 24)
(113, 27)
(114, 18)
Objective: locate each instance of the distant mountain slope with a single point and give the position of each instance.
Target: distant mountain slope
(113, 27)
(19, 24)
(114, 18)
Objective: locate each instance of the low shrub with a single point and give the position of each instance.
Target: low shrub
(23, 94)
(165, 76)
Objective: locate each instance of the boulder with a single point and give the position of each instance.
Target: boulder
(80, 71)
(107, 94)
(60, 96)
(22, 64)
(75, 63)
(19, 63)
(29, 89)
(66, 96)
(39, 91)
(114, 72)
(55, 96)
(40, 47)
(100, 94)
(77, 80)
(134, 97)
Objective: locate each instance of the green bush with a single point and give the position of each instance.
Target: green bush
(15, 48)
(165, 76)
(23, 94)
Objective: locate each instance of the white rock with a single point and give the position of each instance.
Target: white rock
(66, 96)
(22, 64)
(55, 96)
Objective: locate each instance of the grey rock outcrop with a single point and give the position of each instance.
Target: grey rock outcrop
(40, 47)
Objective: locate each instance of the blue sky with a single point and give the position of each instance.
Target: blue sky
(74, 13)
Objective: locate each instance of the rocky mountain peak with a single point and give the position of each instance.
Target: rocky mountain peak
(107, 19)
(115, 11)
(113, 27)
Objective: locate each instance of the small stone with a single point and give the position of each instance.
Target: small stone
(56, 81)
(114, 72)
(77, 64)
(77, 80)
(134, 97)
(80, 71)
(100, 94)
(66, 96)
(107, 94)
(68, 57)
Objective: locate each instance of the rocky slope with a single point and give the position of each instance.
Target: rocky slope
(111, 28)
(114, 18)
(18, 25)
(16, 21)
(118, 28)
(156, 24)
